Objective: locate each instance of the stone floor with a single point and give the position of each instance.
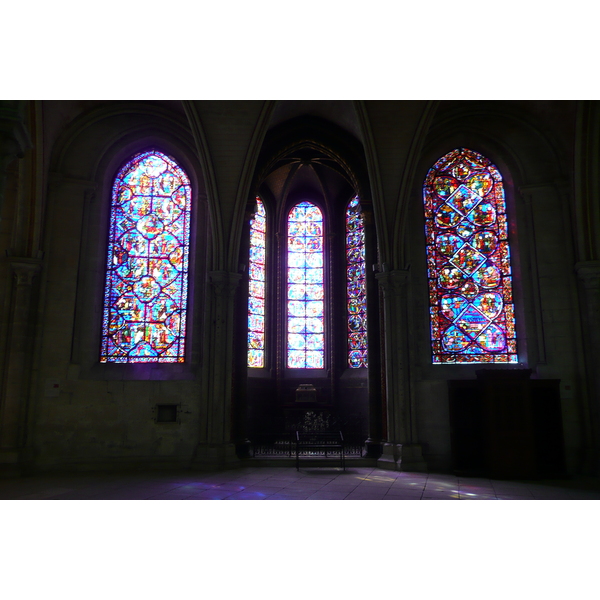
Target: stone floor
(285, 483)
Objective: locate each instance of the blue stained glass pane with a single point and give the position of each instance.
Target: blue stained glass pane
(314, 308)
(314, 292)
(255, 340)
(256, 358)
(313, 244)
(314, 229)
(296, 291)
(314, 260)
(472, 314)
(296, 359)
(356, 298)
(315, 341)
(297, 275)
(296, 341)
(305, 288)
(257, 272)
(145, 302)
(296, 308)
(315, 359)
(313, 213)
(298, 244)
(314, 325)
(295, 229)
(257, 306)
(296, 325)
(256, 323)
(256, 287)
(257, 254)
(314, 276)
(296, 260)
(298, 213)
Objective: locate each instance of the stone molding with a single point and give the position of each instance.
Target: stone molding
(25, 270)
(14, 139)
(393, 282)
(402, 457)
(224, 283)
(589, 273)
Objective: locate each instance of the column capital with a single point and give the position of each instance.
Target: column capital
(589, 273)
(393, 282)
(25, 269)
(224, 283)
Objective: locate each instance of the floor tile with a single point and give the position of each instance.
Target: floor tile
(248, 495)
(286, 483)
(328, 496)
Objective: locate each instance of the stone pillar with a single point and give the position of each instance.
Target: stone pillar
(13, 406)
(375, 377)
(589, 273)
(240, 349)
(400, 450)
(217, 448)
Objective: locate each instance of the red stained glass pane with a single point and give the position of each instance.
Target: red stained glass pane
(468, 261)
(356, 298)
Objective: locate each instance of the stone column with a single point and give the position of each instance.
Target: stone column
(400, 450)
(589, 273)
(240, 350)
(217, 448)
(375, 377)
(13, 407)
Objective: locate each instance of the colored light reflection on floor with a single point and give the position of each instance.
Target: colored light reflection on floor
(285, 483)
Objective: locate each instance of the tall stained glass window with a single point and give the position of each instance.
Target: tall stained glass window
(305, 289)
(256, 296)
(356, 286)
(145, 295)
(468, 260)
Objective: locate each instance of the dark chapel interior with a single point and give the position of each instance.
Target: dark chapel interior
(431, 375)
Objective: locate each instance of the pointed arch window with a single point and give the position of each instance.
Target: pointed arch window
(305, 288)
(145, 299)
(356, 298)
(256, 295)
(301, 321)
(468, 260)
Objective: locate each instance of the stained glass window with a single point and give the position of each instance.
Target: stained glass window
(256, 296)
(356, 286)
(305, 289)
(468, 261)
(145, 295)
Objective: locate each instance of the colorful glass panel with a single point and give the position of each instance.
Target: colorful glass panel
(256, 296)
(305, 288)
(468, 261)
(356, 290)
(145, 297)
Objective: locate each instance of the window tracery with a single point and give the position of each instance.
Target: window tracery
(305, 288)
(256, 295)
(145, 300)
(468, 261)
(356, 286)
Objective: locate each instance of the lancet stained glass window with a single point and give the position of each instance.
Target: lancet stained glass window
(256, 296)
(305, 288)
(356, 286)
(145, 296)
(468, 261)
